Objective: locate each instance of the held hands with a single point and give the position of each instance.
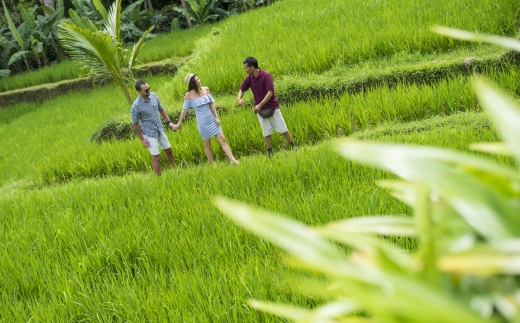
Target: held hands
(172, 125)
(176, 126)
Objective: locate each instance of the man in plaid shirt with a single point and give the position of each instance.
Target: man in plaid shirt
(145, 118)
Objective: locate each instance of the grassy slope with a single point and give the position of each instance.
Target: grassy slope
(296, 38)
(68, 128)
(128, 241)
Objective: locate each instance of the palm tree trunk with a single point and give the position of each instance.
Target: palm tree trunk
(57, 48)
(46, 60)
(40, 62)
(186, 8)
(124, 88)
(26, 62)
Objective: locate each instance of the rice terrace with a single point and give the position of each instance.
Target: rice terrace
(89, 233)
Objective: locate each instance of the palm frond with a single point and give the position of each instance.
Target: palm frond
(113, 22)
(81, 22)
(97, 50)
(101, 51)
(137, 48)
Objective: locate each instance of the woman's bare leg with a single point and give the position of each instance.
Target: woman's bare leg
(207, 151)
(225, 148)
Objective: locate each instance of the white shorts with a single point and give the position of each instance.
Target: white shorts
(153, 143)
(276, 121)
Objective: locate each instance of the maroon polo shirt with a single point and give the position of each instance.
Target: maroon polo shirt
(260, 85)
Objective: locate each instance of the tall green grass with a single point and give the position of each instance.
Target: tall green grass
(296, 37)
(402, 67)
(125, 248)
(59, 137)
(50, 74)
(141, 248)
(174, 44)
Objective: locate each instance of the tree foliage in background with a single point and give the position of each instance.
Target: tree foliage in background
(466, 223)
(203, 11)
(131, 16)
(32, 41)
(102, 51)
(34, 44)
(199, 12)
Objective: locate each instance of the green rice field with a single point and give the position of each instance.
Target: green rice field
(88, 233)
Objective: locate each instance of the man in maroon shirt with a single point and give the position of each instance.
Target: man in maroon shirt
(261, 84)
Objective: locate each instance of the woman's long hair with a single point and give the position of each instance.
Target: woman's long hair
(193, 85)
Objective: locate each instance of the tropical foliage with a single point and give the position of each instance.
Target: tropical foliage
(33, 43)
(466, 224)
(102, 51)
(130, 16)
(33, 40)
(199, 12)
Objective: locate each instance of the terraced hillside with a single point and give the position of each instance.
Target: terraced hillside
(88, 233)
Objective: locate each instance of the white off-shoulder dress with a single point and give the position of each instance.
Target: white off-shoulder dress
(206, 122)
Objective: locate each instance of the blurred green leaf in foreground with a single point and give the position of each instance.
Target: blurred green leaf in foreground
(466, 223)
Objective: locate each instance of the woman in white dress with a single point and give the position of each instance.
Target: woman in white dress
(200, 100)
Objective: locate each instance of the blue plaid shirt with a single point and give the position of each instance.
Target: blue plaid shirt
(146, 112)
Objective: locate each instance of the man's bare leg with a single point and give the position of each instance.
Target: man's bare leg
(156, 164)
(269, 145)
(169, 156)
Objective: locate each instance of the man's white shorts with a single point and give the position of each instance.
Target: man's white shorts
(276, 121)
(153, 143)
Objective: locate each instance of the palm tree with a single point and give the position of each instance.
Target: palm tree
(101, 51)
(186, 8)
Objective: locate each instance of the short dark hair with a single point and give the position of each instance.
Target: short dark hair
(251, 61)
(138, 85)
